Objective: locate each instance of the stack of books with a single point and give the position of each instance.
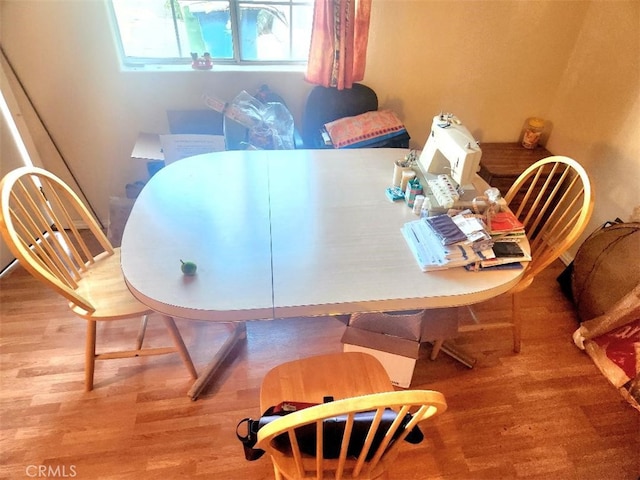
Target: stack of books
(442, 242)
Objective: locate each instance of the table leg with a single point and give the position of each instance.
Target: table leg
(237, 332)
(456, 354)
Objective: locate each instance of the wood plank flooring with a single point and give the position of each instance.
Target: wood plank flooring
(546, 413)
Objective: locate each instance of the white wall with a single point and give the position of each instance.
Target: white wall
(11, 158)
(596, 107)
(493, 63)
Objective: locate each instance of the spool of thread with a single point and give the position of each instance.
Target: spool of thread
(407, 175)
(397, 174)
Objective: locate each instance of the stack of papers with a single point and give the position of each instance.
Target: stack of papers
(438, 243)
(475, 230)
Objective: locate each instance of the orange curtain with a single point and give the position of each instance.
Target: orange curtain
(338, 52)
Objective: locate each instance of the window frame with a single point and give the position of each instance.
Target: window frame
(184, 63)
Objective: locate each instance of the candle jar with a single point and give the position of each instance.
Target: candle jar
(533, 129)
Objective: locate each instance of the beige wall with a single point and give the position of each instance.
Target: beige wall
(493, 63)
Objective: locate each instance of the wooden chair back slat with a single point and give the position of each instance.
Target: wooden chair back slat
(75, 249)
(295, 448)
(369, 442)
(531, 216)
(544, 201)
(33, 224)
(52, 250)
(342, 461)
(390, 435)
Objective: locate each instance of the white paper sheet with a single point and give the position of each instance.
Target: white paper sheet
(176, 147)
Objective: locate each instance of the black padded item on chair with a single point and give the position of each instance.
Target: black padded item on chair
(325, 105)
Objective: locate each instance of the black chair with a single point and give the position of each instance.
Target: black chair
(325, 105)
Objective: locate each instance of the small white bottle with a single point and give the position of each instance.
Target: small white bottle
(417, 204)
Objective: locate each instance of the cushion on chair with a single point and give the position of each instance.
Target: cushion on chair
(365, 130)
(333, 432)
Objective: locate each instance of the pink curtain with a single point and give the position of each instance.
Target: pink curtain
(338, 52)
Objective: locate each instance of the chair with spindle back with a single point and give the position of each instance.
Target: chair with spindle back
(554, 200)
(39, 221)
(303, 444)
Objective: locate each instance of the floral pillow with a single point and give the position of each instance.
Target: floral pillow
(365, 129)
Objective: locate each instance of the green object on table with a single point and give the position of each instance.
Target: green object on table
(188, 268)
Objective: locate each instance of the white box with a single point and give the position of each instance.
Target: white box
(394, 338)
(148, 147)
(397, 355)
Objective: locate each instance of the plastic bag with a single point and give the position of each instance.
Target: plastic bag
(269, 125)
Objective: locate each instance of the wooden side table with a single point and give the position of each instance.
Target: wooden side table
(502, 163)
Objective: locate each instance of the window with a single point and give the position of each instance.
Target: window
(231, 31)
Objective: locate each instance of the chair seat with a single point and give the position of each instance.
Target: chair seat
(340, 375)
(104, 286)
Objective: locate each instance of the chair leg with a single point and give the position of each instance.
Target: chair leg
(90, 355)
(141, 332)
(517, 323)
(179, 343)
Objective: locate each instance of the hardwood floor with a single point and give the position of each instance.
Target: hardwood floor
(546, 413)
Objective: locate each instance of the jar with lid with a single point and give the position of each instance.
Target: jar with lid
(533, 129)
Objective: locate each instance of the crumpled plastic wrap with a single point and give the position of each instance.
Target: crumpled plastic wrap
(270, 125)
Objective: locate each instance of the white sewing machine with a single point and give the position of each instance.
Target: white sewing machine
(450, 153)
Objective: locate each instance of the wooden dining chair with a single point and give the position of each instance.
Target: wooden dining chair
(553, 199)
(359, 386)
(56, 239)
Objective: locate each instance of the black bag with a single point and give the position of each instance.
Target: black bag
(272, 413)
(333, 429)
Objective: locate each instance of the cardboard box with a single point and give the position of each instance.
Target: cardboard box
(397, 355)
(148, 148)
(439, 323)
(394, 338)
(401, 324)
